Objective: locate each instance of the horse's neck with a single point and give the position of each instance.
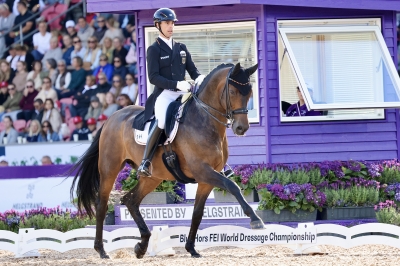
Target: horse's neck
(211, 97)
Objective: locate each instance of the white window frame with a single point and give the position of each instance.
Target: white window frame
(336, 29)
(211, 26)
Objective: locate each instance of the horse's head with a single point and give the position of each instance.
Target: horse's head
(237, 97)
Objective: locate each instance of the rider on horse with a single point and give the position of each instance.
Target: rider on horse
(167, 62)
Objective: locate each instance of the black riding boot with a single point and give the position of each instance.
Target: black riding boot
(151, 146)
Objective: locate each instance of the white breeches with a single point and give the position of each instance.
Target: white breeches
(162, 103)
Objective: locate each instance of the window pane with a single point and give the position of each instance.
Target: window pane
(343, 70)
(213, 44)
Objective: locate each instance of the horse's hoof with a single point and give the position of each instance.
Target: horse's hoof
(196, 255)
(257, 225)
(104, 256)
(138, 251)
(102, 253)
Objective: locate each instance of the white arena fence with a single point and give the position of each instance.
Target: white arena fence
(304, 239)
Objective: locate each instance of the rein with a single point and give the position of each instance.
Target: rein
(229, 113)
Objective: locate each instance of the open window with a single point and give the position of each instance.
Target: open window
(342, 68)
(216, 43)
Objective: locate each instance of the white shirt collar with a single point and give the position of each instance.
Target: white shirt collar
(168, 42)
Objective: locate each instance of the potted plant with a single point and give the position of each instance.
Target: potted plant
(165, 193)
(354, 202)
(241, 176)
(289, 203)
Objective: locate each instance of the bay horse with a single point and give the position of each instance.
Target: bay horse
(200, 144)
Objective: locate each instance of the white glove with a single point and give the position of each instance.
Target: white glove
(199, 80)
(183, 86)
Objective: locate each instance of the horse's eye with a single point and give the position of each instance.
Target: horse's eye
(232, 92)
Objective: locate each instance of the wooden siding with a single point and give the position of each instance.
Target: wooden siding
(319, 141)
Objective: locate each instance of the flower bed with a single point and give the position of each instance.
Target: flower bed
(44, 218)
(334, 184)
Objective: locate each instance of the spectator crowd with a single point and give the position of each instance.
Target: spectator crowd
(61, 81)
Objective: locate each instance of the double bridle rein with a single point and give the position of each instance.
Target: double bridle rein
(229, 113)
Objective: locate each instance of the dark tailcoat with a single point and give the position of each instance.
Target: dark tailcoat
(165, 68)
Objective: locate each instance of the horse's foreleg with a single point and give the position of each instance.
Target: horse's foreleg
(215, 179)
(203, 190)
(132, 201)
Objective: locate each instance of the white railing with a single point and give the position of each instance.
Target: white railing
(163, 239)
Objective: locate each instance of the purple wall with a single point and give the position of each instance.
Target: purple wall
(305, 142)
(270, 140)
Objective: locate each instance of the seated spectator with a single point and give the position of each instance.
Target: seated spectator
(108, 49)
(6, 72)
(91, 59)
(11, 105)
(25, 56)
(20, 77)
(300, 108)
(67, 50)
(95, 108)
(119, 50)
(34, 131)
(85, 31)
(52, 72)
(91, 123)
(35, 75)
(101, 120)
(47, 92)
(26, 103)
(81, 102)
(64, 77)
(54, 52)
(57, 34)
(70, 26)
(104, 68)
(103, 86)
(47, 134)
(78, 78)
(80, 130)
(101, 29)
(131, 88)
(39, 109)
(127, 24)
(41, 41)
(119, 69)
(3, 161)
(3, 94)
(27, 27)
(131, 57)
(6, 23)
(113, 32)
(123, 101)
(9, 135)
(52, 115)
(46, 160)
(33, 5)
(12, 58)
(117, 85)
(79, 50)
(109, 106)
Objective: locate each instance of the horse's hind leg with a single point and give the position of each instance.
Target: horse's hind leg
(108, 174)
(203, 190)
(132, 201)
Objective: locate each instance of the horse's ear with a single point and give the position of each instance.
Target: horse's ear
(236, 70)
(251, 70)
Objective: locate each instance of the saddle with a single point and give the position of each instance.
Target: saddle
(175, 115)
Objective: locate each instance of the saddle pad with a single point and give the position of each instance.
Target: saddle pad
(141, 136)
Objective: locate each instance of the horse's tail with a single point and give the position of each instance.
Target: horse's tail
(89, 177)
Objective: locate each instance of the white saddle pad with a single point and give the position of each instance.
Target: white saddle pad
(141, 136)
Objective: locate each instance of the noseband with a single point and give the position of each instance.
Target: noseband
(229, 112)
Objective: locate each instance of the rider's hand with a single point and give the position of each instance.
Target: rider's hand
(199, 80)
(183, 86)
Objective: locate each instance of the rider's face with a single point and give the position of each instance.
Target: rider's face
(167, 28)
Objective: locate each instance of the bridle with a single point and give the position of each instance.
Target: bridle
(229, 112)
